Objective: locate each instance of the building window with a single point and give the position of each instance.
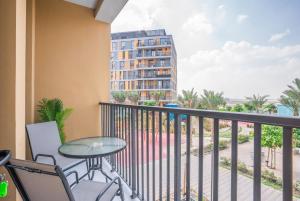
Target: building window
(114, 55)
(123, 45)
(115, 46)
(131, 63)
(123, 55)
(165, 41)
(151, 42)
(122, 64)
(130, 54)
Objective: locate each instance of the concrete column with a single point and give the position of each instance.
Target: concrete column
(12, 80)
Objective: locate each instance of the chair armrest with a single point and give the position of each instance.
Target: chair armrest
(76, 177)
(45, 155)
(108, 186)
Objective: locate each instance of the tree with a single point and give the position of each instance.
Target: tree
(271, 108)
(119, 97)
(291, 97)
(211, 100)
(157, 96)
(133, 97)
(248, 107)
(53, 110)
(257, 102)
(237, 108)
(188, 99)
(272, 139)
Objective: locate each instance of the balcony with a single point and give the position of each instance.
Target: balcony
(154, 55)
(160, 164)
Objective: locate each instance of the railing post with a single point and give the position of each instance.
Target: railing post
(257, 163)
(215, 179)
(234, 158)
(177, 162)
(133, 152)
(287, 164)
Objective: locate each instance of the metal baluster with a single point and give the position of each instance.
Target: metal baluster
(123, 137)
(234, 157)
(147, 154)
(126, 139)
(153, 155)
(160, 155)
(257, 163)
(168, 156)
(142, 146)
(137, 152)
(133, 152)
(200, 160)
(287, 164)
(188, 157)
(215, 183)
(129, 143)
(177, 155)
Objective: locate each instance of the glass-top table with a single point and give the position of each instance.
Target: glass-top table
(92, 149)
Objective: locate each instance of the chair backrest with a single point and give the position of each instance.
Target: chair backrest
(43, 138)
(36, 182)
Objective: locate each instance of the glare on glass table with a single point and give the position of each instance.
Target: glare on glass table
(92, 147)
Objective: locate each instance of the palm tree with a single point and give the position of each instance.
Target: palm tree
(157, 96)
(133, 97)
(188, 99)
(257, 102)
(119, 97)
(271, 108)
(291, 97)
(211, 100)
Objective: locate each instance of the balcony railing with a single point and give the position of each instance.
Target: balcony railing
(157, 161)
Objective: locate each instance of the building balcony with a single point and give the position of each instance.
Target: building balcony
(155, 55)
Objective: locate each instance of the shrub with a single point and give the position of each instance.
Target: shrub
(269, 176)
(297, 186)
(243, 138)
(225, 161)
(119, 97)
(224, 124)
(150, 103)
(242, 167)
(53, 110)
(223, 144)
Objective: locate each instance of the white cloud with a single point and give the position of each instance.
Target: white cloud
(240, 69)
(198, 23)
(278, 36)
(221, 7)
(241, 18)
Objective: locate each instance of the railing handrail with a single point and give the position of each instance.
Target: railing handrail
(293, 122)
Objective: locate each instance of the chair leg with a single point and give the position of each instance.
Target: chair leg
(121, 190)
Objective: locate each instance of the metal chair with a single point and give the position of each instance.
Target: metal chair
(42, 182)
(44, 142)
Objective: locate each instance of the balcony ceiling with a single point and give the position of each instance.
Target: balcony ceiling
(105, 10)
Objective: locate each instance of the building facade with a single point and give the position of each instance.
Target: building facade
(144, 62)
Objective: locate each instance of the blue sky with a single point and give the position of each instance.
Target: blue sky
(238, 47)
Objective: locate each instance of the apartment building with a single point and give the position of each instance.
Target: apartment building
(144, 61)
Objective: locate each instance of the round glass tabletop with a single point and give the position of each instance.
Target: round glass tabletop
(92, 147)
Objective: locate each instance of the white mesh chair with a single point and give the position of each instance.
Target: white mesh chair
(44, 142)
(42, 182)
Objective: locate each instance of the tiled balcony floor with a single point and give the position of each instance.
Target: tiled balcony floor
(99, 177)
